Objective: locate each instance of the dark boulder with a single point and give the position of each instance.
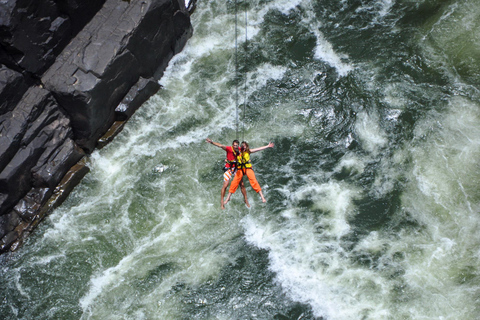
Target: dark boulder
(33, 32)
(40, 149)
(29, 206)
(66, 185)
(55, 162)
(8, 222)
(135, 97)
(12, 88)
(123, 42)
(80, 12)
(14, 124)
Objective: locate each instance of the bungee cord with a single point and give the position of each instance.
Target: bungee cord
(237, 74)
(245, 88)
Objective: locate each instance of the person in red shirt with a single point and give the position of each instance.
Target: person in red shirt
(230, 169)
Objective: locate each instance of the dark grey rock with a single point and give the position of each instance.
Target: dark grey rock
(33, 32)
(136, 96)
(35, 206)
(16, 178)
(55, 162)
(12, 87)
(37, 149)
(183, 29)
(69, 181)
(28, 207)
(8, 222)
(111, 133)
(80, 12)
(7, 241)
(123, 42)
(14, 124)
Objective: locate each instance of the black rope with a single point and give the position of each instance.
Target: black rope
(236, 73)
(245, 89)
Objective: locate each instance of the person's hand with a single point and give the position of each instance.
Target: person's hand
(271, 145)
(209, 140)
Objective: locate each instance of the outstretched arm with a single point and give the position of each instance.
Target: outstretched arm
(216, 144)
(270, 145)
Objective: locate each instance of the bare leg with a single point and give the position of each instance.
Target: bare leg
(244, 192)
(261, 195)
(224, 188)
(228, 198)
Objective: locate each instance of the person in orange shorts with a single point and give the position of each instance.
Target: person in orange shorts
(244, 167)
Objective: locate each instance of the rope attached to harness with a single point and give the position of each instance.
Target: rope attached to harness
(237, 74)
(245, 90)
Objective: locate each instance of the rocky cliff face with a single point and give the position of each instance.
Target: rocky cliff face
(70, 72)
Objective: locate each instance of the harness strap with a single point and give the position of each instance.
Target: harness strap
(243, 165)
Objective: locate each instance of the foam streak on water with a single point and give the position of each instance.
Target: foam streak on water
(372, 188)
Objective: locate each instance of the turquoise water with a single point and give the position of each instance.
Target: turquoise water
(372, 188)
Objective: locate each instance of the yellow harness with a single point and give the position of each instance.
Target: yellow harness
(243, 161)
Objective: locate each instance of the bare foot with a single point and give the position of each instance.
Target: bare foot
(222, 206)
(247, 204)
(226, 201)
(261, 195)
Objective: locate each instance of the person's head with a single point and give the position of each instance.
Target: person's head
(235, 145)
(245, 147)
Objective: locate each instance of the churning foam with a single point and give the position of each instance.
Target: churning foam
(451, 39)
(324, 51)
(258, 79)
(308, 257)
(373, 138)
(443, 198)
(422, 270)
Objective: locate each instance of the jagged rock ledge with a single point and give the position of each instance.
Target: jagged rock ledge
(71, 74)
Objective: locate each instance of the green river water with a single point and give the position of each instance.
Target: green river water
(372, 188)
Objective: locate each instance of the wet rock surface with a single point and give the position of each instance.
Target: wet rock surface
(70, 73)
(33, 32)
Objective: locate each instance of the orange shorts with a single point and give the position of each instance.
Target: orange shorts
(251, 178)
